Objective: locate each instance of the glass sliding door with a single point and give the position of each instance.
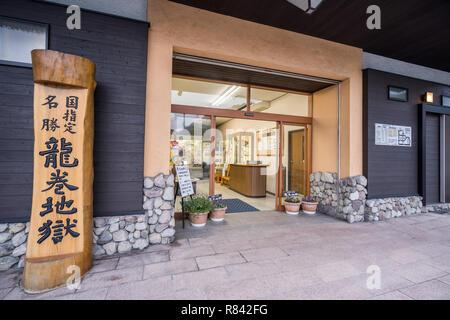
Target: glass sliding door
(190, 141)
(295, 159)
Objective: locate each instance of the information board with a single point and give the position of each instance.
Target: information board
(393, 135)
(184, 181)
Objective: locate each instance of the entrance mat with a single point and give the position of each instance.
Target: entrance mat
(237, 205)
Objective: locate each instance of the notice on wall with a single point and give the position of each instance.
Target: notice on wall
(392, 135)
(184, 181)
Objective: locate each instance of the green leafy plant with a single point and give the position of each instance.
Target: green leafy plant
(198, 204)
(292, 199)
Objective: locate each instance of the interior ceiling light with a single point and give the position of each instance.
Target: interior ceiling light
(228, 93)
(309, 6)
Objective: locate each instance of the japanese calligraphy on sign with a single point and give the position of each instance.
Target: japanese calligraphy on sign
(60, 233)
(57, 198)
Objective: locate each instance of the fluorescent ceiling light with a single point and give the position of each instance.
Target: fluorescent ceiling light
(228, 93)
(309, 6)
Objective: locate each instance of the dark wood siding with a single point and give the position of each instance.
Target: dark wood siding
(393, 171)
(433, 160)
(119, 49)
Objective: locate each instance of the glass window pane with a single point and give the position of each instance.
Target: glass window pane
(208, 94)
(190, 141)
(272, 101)
(19, 38)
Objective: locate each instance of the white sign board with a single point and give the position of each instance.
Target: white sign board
(184, 181)
(391, 135)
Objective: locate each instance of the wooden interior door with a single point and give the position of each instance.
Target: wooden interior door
(297, 157)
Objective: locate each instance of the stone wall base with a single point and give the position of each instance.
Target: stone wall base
(344, 199)
(438, 207)
(388, 208)
(118, 234)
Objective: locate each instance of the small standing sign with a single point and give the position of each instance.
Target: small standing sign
(184, 185)
(290, 193)
(184, 181)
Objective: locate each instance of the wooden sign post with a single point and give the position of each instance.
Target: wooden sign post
(60, 236)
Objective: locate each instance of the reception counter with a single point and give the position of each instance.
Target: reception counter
(248, 179)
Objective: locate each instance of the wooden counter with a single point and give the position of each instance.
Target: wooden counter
(248, 179)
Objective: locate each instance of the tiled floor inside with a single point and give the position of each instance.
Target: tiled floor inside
(269, 255)
(266, 203)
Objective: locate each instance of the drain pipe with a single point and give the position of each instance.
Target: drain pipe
(339, 149)
(339, 131)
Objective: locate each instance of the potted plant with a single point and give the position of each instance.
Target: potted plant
(292, 205)
(309, 205)
(198, 208)
(218, 212)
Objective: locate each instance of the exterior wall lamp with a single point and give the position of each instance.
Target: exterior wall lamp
(429, 97)
(309, 6)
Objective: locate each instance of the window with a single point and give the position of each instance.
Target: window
(446, 101)
(398, 94)
(18, 38)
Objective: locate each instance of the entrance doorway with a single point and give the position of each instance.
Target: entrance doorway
(249, 144)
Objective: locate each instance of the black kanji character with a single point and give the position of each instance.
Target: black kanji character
(72, 102)
(50, 124)
(69, 126)
(50, 102)
(59, 182)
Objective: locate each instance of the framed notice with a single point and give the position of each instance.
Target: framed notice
(392, 135)
(184, 181)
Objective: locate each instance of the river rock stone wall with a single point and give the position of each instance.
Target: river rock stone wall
(388, 208)
(120, 234)
(159, 206)
(344, 199)
(111, 235)
(13, 244)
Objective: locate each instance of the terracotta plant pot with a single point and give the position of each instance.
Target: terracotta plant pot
(292, 208)
(218, 214)
(309, 207)
(198, 219)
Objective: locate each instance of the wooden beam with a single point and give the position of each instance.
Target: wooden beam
(229, 113)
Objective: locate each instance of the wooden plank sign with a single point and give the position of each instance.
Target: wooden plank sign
(60, 233)
(184, 181)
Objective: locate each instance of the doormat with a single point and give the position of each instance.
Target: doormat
(237, 205)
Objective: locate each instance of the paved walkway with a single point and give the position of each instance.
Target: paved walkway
(269, 255)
